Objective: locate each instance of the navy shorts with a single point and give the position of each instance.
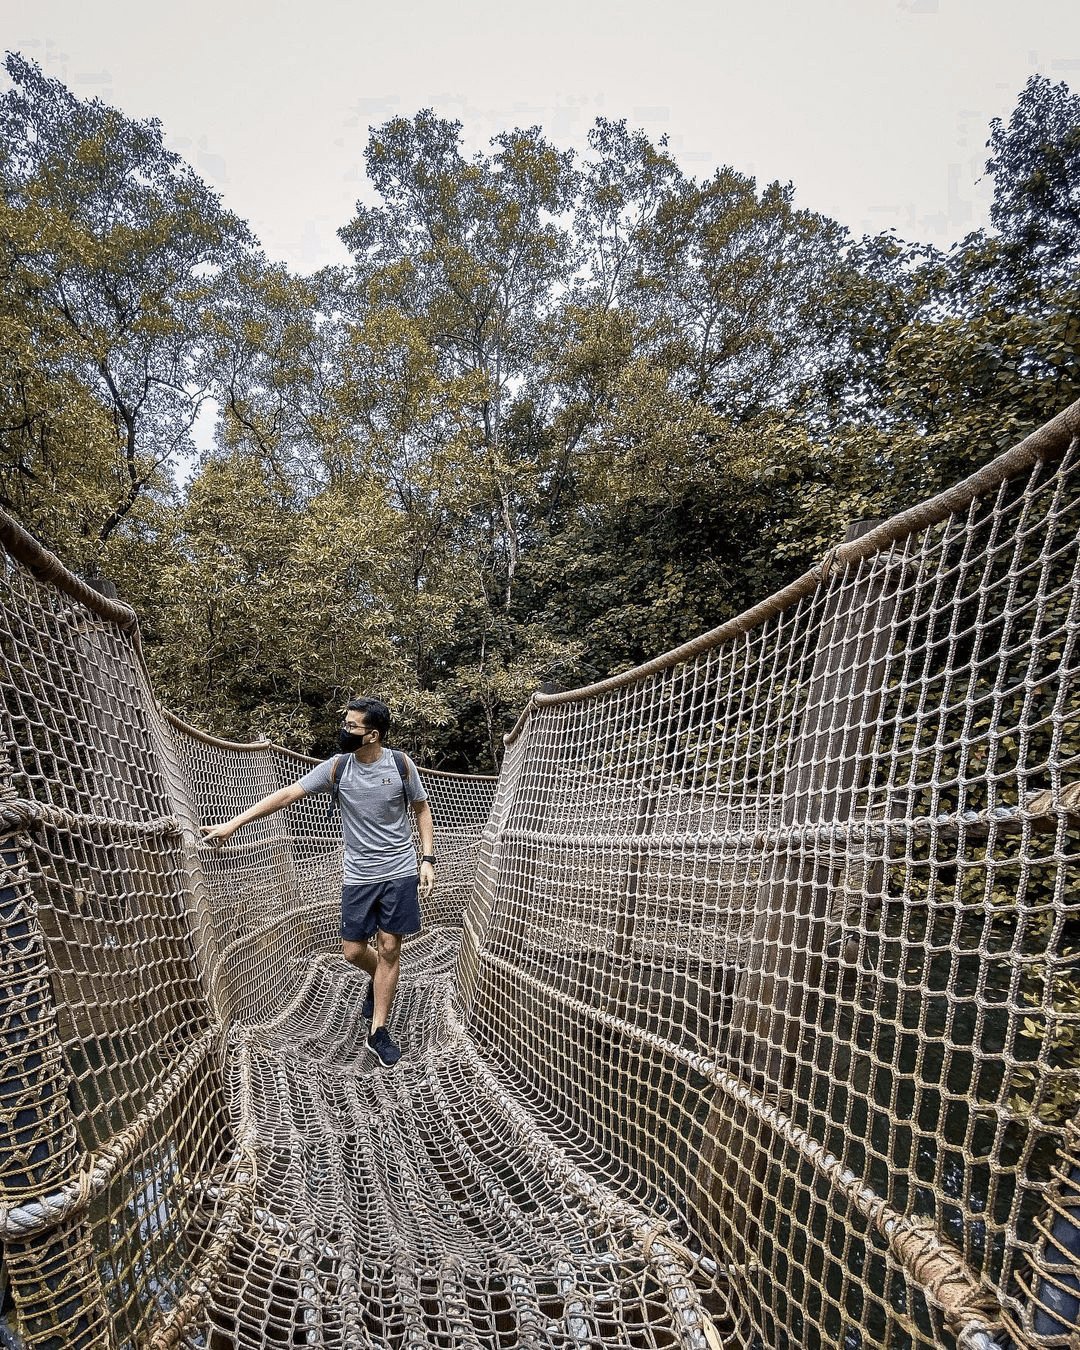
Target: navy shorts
(392, 906)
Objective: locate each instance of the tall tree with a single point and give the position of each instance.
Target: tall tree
(111, 243)
(744, 281)
(474, 248)
(1035, 163)
(57, 440)
(273, 353)
(995, 345)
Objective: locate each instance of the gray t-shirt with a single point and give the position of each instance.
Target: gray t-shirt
(374, 822)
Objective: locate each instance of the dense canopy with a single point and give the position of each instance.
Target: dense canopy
(561, 413)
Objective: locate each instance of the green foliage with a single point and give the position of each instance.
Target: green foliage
(559, 415)
(57, 440)
(266, 616)
(1035, 163)
(109, 243)
(273, 369)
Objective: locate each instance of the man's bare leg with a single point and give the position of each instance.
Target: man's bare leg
(360, 955)
(386, 976)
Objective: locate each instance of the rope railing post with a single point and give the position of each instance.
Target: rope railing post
(826, 762)
(54, 1277)
(628, 939)
(782, 982)
(490, 872)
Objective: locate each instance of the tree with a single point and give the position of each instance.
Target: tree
(57, 439)
(1035, 163)
(701, 315)
(474, 249)
(621, 190)
(743, 281)
(111, 244)
(273, 351)
(556, 417)
(266, 613)
(991, 351)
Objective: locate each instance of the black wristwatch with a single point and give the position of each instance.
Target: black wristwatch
(429, 857)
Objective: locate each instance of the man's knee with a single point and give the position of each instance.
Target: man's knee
(389, 948)
(354, 952)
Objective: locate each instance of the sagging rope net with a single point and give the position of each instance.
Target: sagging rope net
(747, 1013)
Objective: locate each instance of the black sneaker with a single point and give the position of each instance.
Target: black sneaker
(367, 1008)
(384, 1047)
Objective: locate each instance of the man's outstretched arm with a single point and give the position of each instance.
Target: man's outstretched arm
(275, 801)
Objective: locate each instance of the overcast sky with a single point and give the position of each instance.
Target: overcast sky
(877, 110)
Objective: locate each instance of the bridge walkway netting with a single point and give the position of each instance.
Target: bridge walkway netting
(746, 1012)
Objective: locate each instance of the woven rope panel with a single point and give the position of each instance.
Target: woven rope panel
(746, 1011)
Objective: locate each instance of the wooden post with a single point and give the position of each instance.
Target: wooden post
(51, 1266)
(826, 764)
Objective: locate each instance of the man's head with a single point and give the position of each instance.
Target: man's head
(367, 715)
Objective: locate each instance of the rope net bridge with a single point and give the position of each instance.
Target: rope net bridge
(746, 1013)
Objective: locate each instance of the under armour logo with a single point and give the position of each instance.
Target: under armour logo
(387, 782)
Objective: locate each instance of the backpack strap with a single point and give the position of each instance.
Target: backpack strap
(403, 770)
(335, 786)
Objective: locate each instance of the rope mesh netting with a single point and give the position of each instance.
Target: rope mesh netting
(746, 1012)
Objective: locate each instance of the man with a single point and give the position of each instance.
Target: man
(380, 895)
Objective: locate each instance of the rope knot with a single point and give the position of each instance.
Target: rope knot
(822, 571)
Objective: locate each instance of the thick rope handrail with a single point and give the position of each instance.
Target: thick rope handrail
(1043, 811)
(20, 1221)
(23, 814)
(47, 567)
(1048, 442)
(221, 743)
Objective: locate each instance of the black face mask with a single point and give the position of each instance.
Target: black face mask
(350, 741)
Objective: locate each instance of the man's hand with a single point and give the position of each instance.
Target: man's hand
(217, 834)
(427, 879)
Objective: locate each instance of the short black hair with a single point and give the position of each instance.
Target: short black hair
(376, 714)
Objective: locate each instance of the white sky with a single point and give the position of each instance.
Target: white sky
(877, 110)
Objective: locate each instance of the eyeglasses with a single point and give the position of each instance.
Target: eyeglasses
(354, 730)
